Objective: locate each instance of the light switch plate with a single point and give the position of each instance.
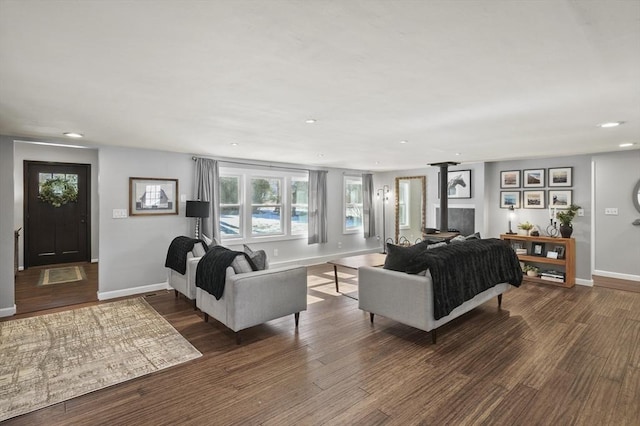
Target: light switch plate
(119, 213)
(612, 211)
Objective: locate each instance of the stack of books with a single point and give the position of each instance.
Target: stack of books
(554, 276)
(521, 251)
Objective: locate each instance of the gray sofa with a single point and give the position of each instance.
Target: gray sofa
(408, 298)
(252, 298)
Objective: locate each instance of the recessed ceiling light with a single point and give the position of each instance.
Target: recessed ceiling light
(320, 155)
(234, 143)
(310, 121)
(457, 153)
(73, 135)
(626, 145)
(403, 142)
(610, 124)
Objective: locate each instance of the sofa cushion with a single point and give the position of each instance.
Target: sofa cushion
(259, 257)
(241, 265)
(398, 257)
(210, 242)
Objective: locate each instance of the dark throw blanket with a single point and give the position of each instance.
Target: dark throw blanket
(177, 253)
(460, 271)
(211, 273)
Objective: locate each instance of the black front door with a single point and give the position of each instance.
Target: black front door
(56, 234)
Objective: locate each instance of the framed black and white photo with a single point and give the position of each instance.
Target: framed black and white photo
(561, 176)
(152, 196)
(509, 198)
(561, 199)
(533, 199)
(560, 251)
(533, 178)
(458, 184)
(510, 179)
(537, 249)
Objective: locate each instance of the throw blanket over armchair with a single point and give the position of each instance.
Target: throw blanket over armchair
(253, 297)
(182, 259)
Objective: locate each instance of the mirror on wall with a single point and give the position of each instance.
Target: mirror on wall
(636, 196)
(411, 202)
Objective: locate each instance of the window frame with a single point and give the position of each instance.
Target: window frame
(246, 208)
(345, 229)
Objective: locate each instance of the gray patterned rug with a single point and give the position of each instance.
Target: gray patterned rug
(55, 357)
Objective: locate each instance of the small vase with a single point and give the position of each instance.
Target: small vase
(566, 231)
(532, 274)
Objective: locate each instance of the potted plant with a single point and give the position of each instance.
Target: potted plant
(530, 270)
(525, 227)
(566, 217)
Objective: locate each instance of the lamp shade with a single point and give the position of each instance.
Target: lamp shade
(197, 209)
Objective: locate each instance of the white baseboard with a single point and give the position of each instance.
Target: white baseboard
(617, 275)
(588, 283)
(94, 260)
(105, 295)
(20, 268)
(7, 312)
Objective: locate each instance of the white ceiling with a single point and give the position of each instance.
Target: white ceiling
(490, 80)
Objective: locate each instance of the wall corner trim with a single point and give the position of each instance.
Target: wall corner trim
(105, 295)
(8, 312)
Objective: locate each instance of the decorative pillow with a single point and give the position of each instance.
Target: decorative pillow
(458, 239)
(398, 257)
(198, 250)
(241, 265)
(210, 242)
(258, 257)
(475, 236)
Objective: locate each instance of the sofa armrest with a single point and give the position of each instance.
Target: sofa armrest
(396, 295)
(260, 296)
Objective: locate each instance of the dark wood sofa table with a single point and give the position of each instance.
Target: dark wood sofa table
(354, 262)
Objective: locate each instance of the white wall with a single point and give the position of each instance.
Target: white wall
(29, 151)
(497, 219)
(7, 293)
(617, 241)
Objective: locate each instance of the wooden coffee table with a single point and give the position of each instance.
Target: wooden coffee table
(354, 262)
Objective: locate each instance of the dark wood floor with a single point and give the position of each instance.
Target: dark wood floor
(30, 297)
(551, 356)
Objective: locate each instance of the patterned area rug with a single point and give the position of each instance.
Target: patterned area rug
(51, 358)
(68, 274)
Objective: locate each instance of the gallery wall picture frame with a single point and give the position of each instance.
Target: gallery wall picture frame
(560, 198)
(560, 251)
(510, 179)
(509, 198)
(533, 178)
(560, 176)
(533, 199)
(458, 184)
(153, 196)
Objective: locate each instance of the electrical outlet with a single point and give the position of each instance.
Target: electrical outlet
(275, 252)
(580, 212)
(612, 211)
(339, 244)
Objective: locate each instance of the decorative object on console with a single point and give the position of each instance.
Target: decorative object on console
(526, 227)
(199, 210)
(561, 176)
(566, 218)
(512, 217)
(538, 249)
(531, 271)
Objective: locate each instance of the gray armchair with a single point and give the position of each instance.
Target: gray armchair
(253, 298)
(186, 284)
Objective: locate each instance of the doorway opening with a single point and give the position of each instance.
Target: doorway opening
(57, 237)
